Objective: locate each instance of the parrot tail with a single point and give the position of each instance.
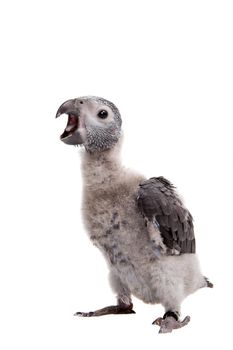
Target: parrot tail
(208, 283)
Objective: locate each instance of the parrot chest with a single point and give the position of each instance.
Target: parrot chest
(114, 223)
(117, 228)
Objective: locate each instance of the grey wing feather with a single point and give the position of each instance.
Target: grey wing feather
(157, 199)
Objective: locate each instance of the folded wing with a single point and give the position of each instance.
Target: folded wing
(160, 205)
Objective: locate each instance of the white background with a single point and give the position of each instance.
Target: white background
(168, 67)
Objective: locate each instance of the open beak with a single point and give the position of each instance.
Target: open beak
(71, 134)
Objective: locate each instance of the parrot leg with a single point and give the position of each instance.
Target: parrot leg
(121, 308)
(170, 321)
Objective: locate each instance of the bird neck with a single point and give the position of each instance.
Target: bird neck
(101, 168)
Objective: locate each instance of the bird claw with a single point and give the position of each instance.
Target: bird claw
(84, 314)
(169, 323)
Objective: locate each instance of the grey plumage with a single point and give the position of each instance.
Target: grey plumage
(141, 226)
(157, 199)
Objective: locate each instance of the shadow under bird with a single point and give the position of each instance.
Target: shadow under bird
(141, 225)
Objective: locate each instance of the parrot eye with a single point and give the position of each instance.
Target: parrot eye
(103, 114)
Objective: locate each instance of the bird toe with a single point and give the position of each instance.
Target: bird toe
(169, 323)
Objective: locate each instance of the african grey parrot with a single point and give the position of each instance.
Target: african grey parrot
(141, 226)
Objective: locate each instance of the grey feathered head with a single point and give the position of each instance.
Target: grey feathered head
(92, 121)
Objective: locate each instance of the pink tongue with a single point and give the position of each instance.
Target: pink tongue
(72, 119)
(72, 122)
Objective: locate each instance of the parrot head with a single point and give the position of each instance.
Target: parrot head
(93, 122)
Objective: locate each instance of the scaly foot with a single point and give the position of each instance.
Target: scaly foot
(116, 309)
(169, 323)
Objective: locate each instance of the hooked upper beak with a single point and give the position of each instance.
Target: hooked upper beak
(67, 107)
